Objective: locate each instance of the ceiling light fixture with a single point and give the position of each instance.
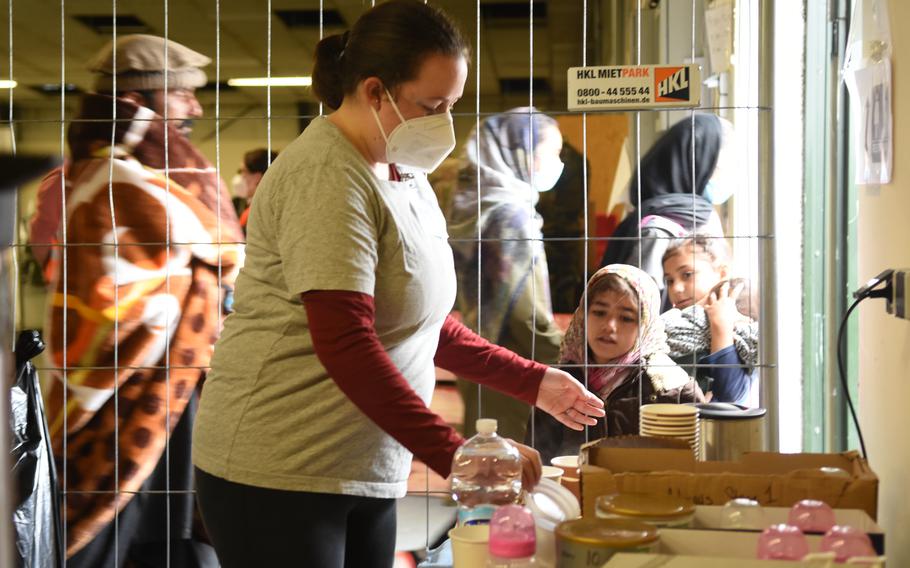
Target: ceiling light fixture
(8, 84)
(273, 81)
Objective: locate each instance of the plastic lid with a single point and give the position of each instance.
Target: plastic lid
(512, 532)
(645, 506)
(846, 543)
(727, 411)
(613, 533)
(551, 504)
(486, 425)
(812, 515)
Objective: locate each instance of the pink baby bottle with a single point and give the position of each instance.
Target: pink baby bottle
(513, 540)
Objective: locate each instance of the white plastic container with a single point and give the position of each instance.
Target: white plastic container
(551, 504)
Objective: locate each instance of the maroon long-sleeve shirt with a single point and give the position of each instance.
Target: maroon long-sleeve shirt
(342, 325)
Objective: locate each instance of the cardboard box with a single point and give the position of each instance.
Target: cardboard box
(772, 479)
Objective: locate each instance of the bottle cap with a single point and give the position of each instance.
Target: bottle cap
(486, 425)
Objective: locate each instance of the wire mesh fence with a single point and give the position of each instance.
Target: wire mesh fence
(520, 53)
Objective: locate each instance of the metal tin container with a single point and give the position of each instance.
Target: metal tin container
(729, 430)
(658, 510)
(590, 543)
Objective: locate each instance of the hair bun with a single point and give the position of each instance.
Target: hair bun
(389, 41)
(327, 77)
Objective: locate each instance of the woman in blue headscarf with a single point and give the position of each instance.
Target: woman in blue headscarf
(508, 160)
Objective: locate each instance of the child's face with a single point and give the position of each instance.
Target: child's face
(612, 325)
(689, 277)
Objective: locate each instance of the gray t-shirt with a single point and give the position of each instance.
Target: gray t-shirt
(270, 415)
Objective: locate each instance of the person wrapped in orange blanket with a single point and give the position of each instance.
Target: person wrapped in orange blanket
(136, 304)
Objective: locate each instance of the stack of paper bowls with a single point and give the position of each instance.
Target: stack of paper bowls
(678, 421)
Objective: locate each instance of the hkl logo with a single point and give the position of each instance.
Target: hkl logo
(672, 84)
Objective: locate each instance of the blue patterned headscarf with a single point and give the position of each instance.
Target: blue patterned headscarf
(497, 160)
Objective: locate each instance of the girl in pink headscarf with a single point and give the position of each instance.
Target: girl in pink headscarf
(617, 347)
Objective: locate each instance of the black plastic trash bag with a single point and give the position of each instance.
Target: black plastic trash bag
(36, 500)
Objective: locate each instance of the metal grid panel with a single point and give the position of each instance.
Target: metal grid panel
(752, 243)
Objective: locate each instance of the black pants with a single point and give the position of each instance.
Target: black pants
(253, 526)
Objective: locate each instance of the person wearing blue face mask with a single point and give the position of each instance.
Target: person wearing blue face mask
(722, 184)
(686, 173)
(319, 389)
(507, 162)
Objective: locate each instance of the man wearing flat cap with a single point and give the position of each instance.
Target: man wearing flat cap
(136, 305)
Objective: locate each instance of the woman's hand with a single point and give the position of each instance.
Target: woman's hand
(530, 465)
(568, 400)
(720, 307)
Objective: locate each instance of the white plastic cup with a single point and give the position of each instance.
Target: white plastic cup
(569, 464)
(470, 545)
(551, 472)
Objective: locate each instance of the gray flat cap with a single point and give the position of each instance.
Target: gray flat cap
(141, 65)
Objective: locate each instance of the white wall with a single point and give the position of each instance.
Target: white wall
(884, 373)
(789, 43)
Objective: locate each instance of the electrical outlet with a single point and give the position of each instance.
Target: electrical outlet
(898, 303)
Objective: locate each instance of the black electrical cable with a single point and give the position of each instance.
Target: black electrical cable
(870, 290)
(843, 373)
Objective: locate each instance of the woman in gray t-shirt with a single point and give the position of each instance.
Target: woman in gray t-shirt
(322, 378)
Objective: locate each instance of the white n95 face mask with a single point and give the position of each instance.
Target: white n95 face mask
(421, 143)
(238, 187)
(546, 178)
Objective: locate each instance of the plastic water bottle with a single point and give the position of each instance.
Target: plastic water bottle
(486, 473)
(513, 538)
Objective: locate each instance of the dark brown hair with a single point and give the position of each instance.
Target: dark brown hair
(612, 283)
(257, 161)
(718, 252)
(389, 41)
(715, 248)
